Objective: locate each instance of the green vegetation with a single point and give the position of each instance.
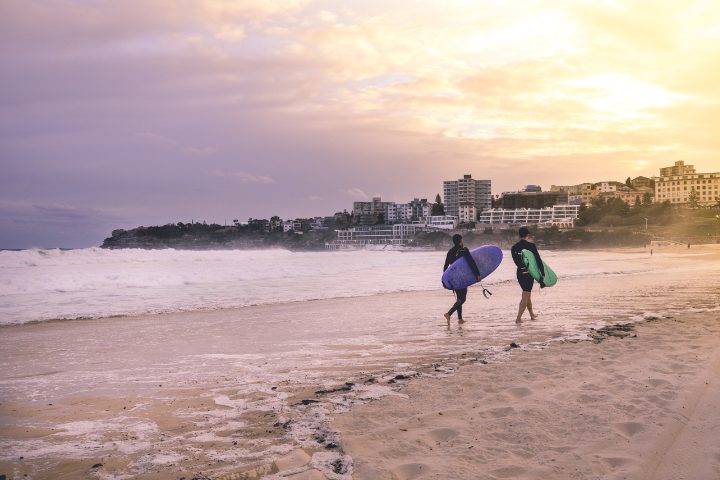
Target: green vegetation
(614, 212)
(437, 208)
(606, 223)
(200, 236)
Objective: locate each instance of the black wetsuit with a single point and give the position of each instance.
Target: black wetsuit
(454, 254)
(523, 276)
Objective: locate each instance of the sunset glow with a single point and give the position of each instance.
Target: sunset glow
(300, 100)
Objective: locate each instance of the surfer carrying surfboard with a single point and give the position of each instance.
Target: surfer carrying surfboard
(524, 278)
(456, 252)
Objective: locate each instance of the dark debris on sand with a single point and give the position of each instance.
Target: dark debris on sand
(619, 330)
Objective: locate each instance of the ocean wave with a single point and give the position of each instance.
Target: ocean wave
(51, 284)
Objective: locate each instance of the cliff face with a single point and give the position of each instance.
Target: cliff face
(211, 237)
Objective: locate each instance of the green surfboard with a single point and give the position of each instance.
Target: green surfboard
(532, 266)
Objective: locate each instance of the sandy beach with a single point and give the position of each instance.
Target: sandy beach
(646, 406)
(377, 387)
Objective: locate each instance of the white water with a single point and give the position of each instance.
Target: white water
(38, 285)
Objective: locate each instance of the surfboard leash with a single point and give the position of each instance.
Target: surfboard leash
(486, 293)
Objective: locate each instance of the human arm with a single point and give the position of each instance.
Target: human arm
(539, 261)
(516, 254)
(448, 260)
(471, 262)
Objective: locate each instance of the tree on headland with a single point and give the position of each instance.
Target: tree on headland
(628, 182)
(615, 212)
(438, 208)
(647, 200)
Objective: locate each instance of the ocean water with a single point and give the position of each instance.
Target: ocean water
(37, 285)
(250, 331)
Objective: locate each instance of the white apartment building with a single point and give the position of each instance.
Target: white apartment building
(443, 222)
(397, 234)
(467, 213)
(561, 215)
(397, 212)
(606, 187)
(676, 183)
(368, 213)
(466, 191)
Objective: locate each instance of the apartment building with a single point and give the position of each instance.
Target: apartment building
(562, 216)
(473, 195)
(580, 193)
(533, 199)
(398, 234)
(442, 222)
(370, 213)
(676, 184)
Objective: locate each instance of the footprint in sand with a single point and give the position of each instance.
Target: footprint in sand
(616, 462)
(519, 392)
(502, 412)
(629, 429)
(592, 398)
(508, 472)
(656, 382)
(443, 434)
(409, 471)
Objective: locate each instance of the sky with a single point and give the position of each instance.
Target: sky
(115, 114)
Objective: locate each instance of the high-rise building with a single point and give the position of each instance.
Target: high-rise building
(676, 184)
(473, 195)
(678, 169)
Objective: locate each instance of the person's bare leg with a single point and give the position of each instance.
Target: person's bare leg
(447, 317)
(523, 305)
(529, 306)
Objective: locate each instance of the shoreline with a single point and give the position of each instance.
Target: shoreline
(695, 252)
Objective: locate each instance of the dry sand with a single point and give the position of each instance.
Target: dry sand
(646, 406)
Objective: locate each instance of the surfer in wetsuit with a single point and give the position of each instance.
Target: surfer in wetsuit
(523, 276)
(457, 251)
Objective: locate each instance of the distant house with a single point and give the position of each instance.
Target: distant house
(638, 182)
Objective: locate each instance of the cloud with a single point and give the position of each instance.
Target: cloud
(231, 33)
(144, 106)
(175, 146)
(356, 193)
(244, 177)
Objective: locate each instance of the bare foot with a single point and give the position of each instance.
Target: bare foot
(461, 321)
(518, 321)
(447, 317)
(533, 317)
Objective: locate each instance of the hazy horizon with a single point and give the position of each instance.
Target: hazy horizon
(120, 114)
